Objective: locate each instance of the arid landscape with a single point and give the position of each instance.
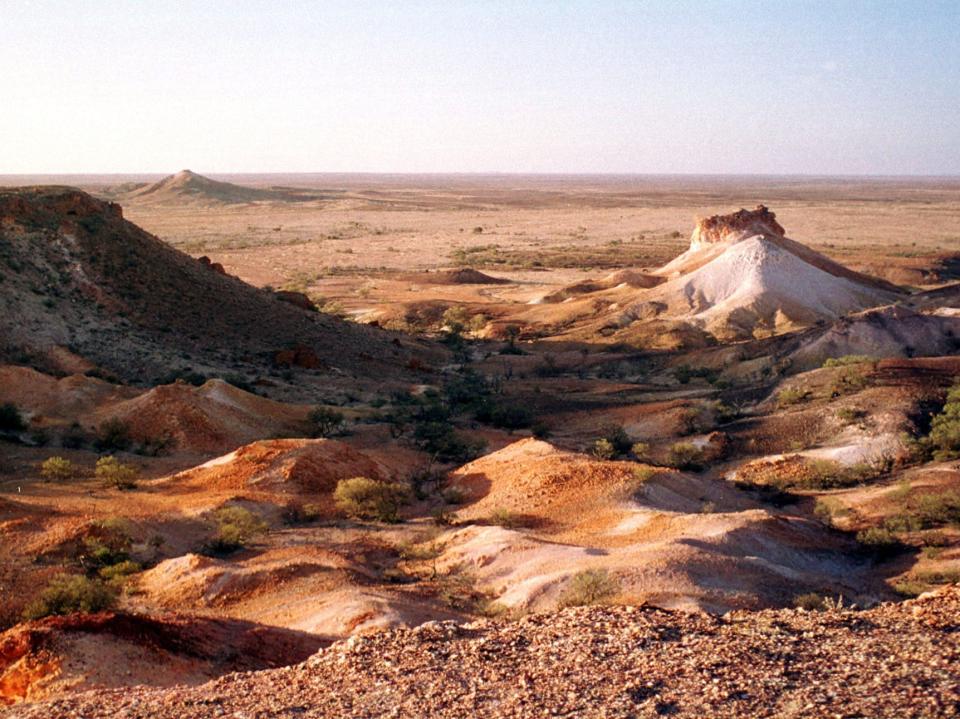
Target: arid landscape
(554, 445)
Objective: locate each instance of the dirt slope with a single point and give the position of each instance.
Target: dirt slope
(63, 654)
(893, 661)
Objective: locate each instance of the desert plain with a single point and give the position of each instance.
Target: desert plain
(262, 430)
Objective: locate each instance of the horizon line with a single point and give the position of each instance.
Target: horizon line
(484, 173)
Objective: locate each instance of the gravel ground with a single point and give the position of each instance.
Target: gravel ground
(896, 660)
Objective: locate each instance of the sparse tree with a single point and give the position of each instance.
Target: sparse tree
(115, 474)
(326, 422)
(58, 469)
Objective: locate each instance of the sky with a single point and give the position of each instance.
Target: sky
(656, 86)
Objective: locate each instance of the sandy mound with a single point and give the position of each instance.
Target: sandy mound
(65, 399)
(671, 539)
(288, 465)
(326, 590)
(553, 488)
(189, 186)
(617, 280)
(77, 652)
(212, 418)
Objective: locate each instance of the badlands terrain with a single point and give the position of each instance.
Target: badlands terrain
(507, 446)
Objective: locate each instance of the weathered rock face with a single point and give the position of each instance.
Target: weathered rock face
(298, 356)
(211, 265)
(296, 298)
(720, 228)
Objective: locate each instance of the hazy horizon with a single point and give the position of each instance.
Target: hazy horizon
(823, 89)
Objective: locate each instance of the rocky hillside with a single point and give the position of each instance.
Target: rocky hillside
(896, 660)
(82, 289)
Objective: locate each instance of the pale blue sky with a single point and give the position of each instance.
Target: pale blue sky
(447, 86)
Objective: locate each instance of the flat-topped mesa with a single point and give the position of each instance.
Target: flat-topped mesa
(743, 223)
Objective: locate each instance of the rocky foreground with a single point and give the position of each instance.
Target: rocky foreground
(896, 660)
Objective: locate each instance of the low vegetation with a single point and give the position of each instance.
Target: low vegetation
(603, 449)
(685, 455)
(236, 527)
(811, 601)
(58, 469)
(365, 498)
(944, 437)
(847, 360)
(113, 435)
(506, 519)
(115, 474)
(69, 593)
(591, 586)
(791, 396)
(926, 511)
(326, 422)
(10, 418)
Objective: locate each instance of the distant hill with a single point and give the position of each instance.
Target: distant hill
(80, 286)
(189, 186)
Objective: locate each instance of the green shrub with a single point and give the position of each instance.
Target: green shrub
(618, 438)
(156, 446)
(118, 573)
(811, 601)
(325, 422)
(640, 451)
(937, 510)
(297, 513)
(235, 528)
(684, 455)
(788, 397)
(505, 518)
(638, 478)
(58, 469)
(541, 430)
(364, 498)
(684, 374)
(453, 495)
(588, 587)
(826, 508)
(68, 593)
(724, 413)
(849, 415)
(944, 435)
(878, 538)
(108, 544)
(511, 416)
(826, 474)
(693, 420)
(603, 449)
(846, 360)
(10, 418)
(443, 442)
(114, 434)
(849, 382)
(114, 474)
